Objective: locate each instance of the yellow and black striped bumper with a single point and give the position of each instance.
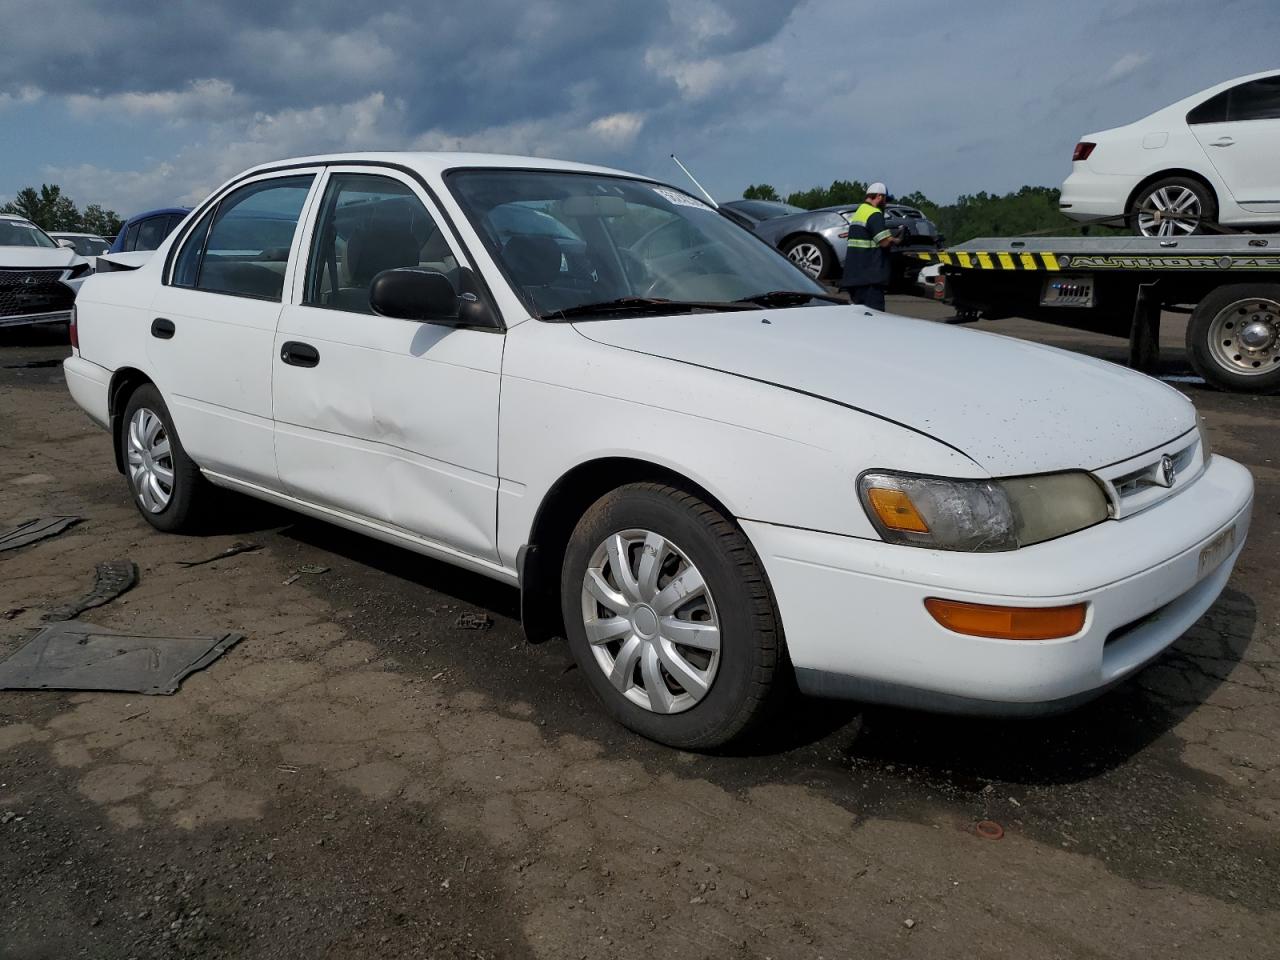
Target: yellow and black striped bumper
(995, 260)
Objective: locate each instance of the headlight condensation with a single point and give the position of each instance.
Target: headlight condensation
(980, 516)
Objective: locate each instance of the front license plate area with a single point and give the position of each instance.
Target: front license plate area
(1213, 553)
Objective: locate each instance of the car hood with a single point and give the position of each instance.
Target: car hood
(1011, 406)
(38, 257)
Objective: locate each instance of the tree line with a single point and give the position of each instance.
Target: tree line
(1025, 210)
(50, 209)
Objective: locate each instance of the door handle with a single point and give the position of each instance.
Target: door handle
(1222, 142)
(162, 329)
(299, 354)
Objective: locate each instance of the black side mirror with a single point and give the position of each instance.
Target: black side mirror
(410, 293)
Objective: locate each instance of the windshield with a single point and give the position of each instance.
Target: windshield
(569, 240)
(87, 246)
(767, 209)
(17, 233)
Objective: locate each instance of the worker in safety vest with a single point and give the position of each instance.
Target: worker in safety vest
(866, 263)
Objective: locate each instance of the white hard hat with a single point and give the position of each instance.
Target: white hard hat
(877, 187)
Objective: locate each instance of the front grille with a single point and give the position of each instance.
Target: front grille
(34, 291)
(1140, 483)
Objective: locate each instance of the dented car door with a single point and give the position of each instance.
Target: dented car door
(391, 421)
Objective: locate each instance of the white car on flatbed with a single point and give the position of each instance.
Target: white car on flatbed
(696, 466)
(1210, 158)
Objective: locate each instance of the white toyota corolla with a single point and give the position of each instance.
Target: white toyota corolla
(698, 468)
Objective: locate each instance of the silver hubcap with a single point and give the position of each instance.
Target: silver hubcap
(651, 621)
(1169, 212)
(150, 460)
(808, 257)
(1245, 337)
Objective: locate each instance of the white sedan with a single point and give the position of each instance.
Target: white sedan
(696, 466)
(1210, 157)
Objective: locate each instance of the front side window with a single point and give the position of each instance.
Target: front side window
(368, 224)
(241, 247)
(586, 240)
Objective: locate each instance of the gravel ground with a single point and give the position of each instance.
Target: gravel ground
(363, 776)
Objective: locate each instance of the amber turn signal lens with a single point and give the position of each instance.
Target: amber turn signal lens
(1007, 623)
(896, 511)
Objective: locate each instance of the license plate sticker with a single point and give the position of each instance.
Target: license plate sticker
(1217, 550)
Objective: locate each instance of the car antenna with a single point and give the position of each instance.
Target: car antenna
(695, 181)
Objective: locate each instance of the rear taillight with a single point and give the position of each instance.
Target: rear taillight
(1082, 150)
(74, 331)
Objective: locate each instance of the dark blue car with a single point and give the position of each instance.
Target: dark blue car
(146, 231)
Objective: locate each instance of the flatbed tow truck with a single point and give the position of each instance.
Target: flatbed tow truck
(1119, 285)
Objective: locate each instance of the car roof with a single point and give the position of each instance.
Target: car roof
(158, 212)
(70, 233)
(439, 162)
(14, 216)
(1201, 95)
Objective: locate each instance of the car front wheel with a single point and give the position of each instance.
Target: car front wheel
(168, 488)
(669, 617)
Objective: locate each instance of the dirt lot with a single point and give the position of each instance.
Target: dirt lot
(362, 777)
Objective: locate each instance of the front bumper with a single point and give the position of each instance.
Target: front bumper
(856, 626)
(30, 319)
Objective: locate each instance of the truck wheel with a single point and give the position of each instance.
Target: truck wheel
(1233, 338)
(669, 617)
(1173, 207)
(811, 255)
(168, 489)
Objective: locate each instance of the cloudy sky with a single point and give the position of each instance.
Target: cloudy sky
(139, 104)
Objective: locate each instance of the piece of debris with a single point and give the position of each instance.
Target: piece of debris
(239, 546)
(14, 612)
(30, 531)
(81, 656)
(474, 621)
(293, 579)
(113, 578)
(988, 830)
(909, 923)
(312, 569)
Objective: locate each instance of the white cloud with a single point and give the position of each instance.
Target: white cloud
(210, 98)
(1125, 66)
(617, 129)
(24, 96)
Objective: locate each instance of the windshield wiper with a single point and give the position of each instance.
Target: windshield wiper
(782, 298)
(653, 305)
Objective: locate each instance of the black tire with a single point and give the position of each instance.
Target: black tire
(1212, 350)
(750, 680)
(821, 258)
(190, 492)
(1208, 204)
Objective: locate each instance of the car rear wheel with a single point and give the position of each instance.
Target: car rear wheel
(669, 617)
(168, 489)
(1173, 207)
(1233, 338)
(811, 255)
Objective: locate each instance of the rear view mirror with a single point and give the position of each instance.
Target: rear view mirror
(64, 242)
(591, 207)
(411, 293)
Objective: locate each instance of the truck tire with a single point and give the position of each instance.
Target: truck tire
(1149, 214)
(1233, 338)
(670, 619)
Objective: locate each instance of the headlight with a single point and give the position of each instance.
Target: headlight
(1205, 450)
(980, 516)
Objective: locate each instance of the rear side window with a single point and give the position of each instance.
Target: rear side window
(1256, 100)
(131, 237)
(151, 233)
(242, 246)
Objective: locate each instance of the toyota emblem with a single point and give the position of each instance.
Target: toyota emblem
(1167, 470)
